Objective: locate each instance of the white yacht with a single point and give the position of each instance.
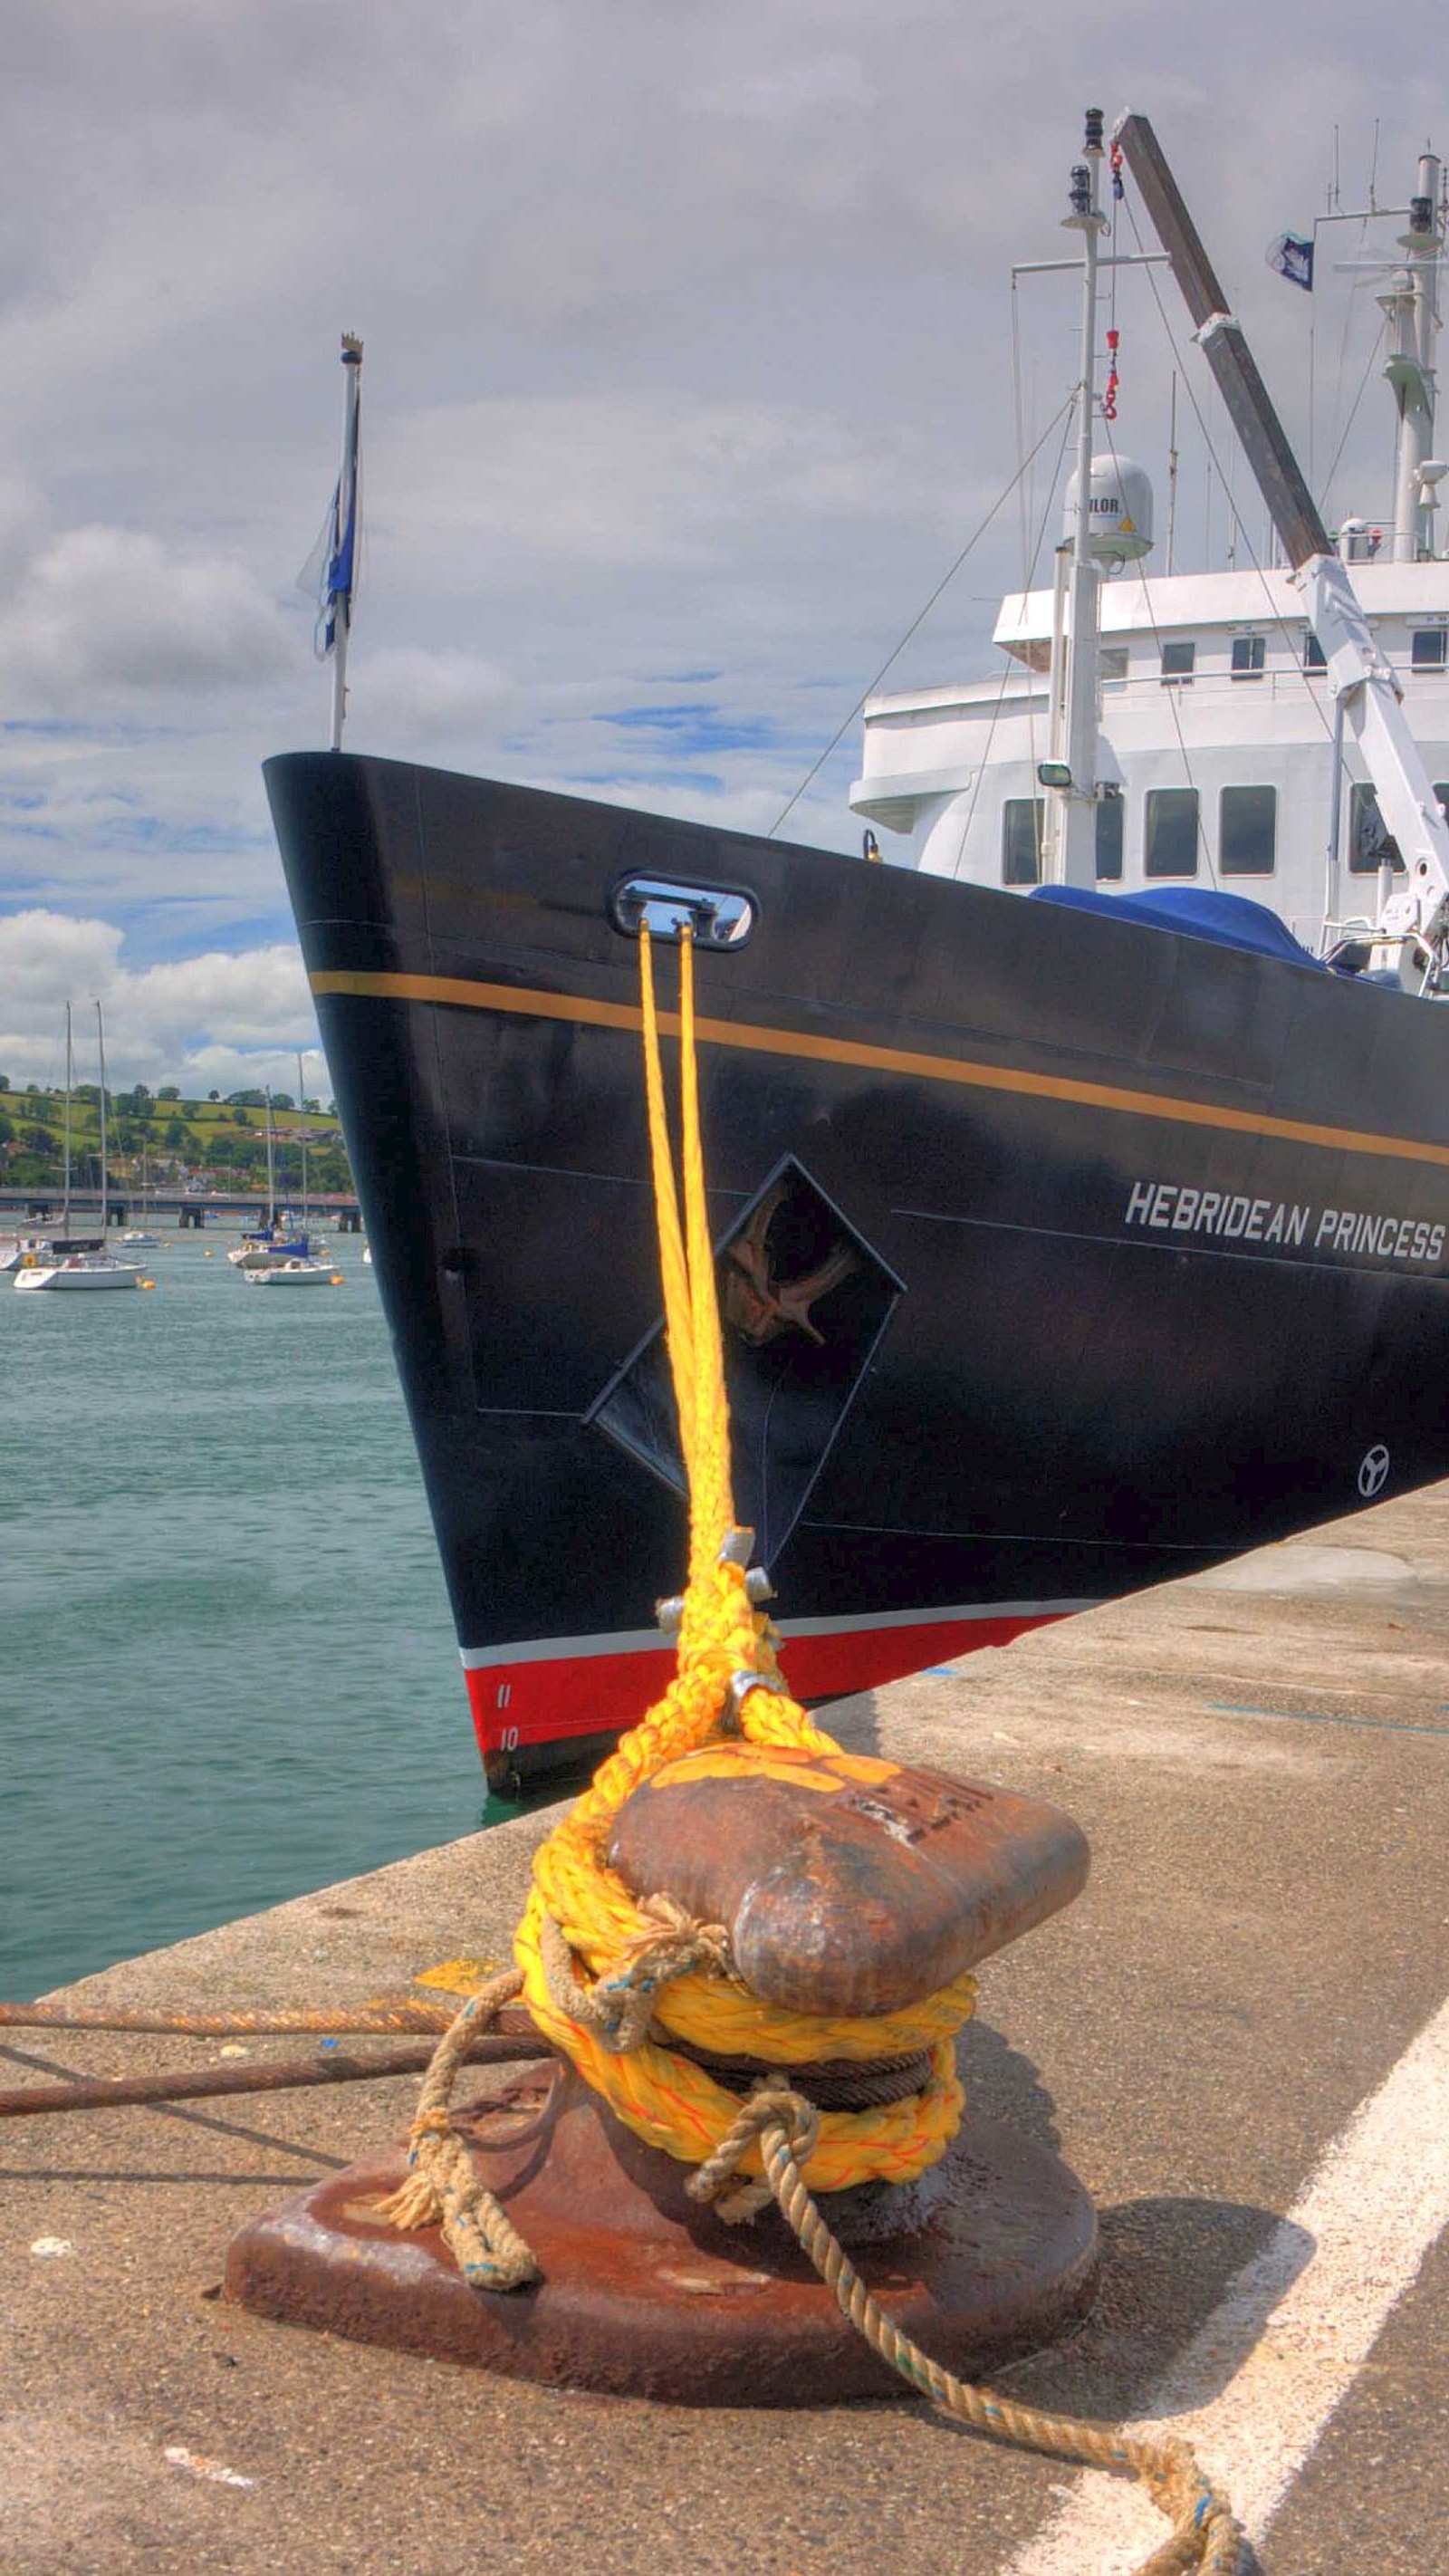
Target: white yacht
(79, 1270)
(277, 1239)
(63, 1264)
(292, 1270)
(1212, 750)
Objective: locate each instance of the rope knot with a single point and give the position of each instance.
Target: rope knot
(670, 1936)
(618, 2007)
(429, 2124)
(776, 2115)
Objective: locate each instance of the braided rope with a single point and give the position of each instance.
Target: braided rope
(442, 2186)
(601, 1972)
(616, 2010)
(618, 2041)
(1205, 2534)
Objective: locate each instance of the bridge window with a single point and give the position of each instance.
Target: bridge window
(1247, 831)
(1429, 648)
(1249, 655)
(1370, 846)
(1021, 831)
(1109, 836)
(1178, 661)
(1314, 656)
(1170, 843)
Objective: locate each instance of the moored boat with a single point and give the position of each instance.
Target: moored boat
(80, 1270)
(292, 1270)
(63, 1264)
(1064, 1245)
(279, 1238)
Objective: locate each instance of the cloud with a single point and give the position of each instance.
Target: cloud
(673, 361)
(415, 697)
(637, 482)
(112, 614)
(215, 1021)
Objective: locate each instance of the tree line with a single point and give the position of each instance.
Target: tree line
(217, 1141)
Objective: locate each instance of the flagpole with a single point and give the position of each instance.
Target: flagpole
(342, 570)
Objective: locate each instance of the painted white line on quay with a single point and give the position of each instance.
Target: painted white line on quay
(1293, 2329)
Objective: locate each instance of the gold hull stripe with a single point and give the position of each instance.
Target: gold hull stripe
(755, 1040)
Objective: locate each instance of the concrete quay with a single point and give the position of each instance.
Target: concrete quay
(1261, 1760)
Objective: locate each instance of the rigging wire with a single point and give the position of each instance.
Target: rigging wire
(1029, 570)
(1070, 408)
(1358, 398)
(1173, 704)
(942, 585)
(1351, 310)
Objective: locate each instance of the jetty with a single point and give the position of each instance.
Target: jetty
(1238, 2038)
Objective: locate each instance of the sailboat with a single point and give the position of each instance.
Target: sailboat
(140, 1236)
(275, 1239)
(65, 1264)
(1067, 1240)
(315, 1232)
(288, 1264)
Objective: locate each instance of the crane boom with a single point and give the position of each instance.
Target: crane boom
(1360, 676)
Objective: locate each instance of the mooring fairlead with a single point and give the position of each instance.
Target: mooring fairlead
(753, 1952)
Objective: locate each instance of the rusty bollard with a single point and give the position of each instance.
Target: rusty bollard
(849, 1887)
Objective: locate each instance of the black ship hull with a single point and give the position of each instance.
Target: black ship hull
(1059, 1255)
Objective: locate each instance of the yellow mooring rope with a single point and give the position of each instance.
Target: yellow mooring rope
(612, 1980)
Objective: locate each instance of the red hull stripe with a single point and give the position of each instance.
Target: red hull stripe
(544, 1700)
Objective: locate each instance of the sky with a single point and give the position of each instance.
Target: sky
(690, 371)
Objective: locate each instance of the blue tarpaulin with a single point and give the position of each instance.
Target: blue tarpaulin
(1195, 912)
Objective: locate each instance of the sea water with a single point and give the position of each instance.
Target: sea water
(227, 1665)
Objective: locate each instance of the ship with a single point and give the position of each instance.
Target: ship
(1074, 1232)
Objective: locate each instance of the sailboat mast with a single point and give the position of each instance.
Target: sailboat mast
(304, 1142)
(105, 1198)
(69, 1080)
(271, 1170)
(342, 570)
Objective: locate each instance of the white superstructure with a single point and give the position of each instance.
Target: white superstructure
(1216, 746)
(1218, 757)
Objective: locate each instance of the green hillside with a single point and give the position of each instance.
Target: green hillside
(220, 1143)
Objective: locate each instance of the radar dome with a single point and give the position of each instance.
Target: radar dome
(1119, 507)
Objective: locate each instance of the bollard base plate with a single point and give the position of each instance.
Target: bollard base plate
(990, 2256)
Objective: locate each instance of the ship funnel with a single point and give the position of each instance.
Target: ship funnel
(1119, 504)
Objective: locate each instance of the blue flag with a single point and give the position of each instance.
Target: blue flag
(340, 563)
(1292, 257)
(329, 575)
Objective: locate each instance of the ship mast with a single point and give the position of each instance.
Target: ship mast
(1070, 857)
(1413, 322)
